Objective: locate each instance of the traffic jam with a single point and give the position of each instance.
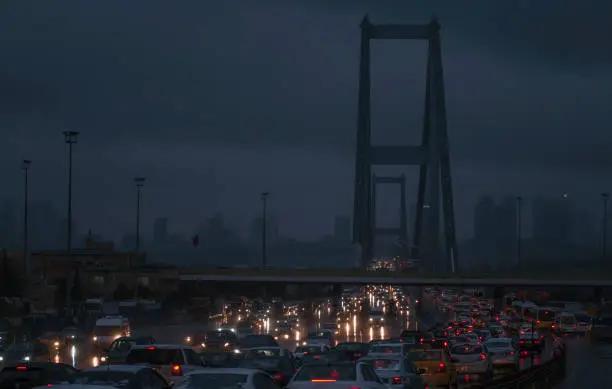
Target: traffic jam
(370, 337)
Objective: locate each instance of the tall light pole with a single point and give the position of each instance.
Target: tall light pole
(25, 166)
(70, 138)
(264, 230)
(519, 229)
(605, 198)
(139, 181)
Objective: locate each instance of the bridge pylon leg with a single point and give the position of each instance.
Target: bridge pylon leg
(435, 196)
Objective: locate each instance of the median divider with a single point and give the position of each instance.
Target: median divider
(543, 376)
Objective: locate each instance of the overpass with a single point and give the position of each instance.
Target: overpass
(553, 278)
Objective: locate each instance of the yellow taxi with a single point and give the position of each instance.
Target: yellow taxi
(436, 367)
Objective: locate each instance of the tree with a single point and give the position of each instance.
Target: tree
(122, 292)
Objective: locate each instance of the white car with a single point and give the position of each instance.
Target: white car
(268, 352)
(504, 353)
(171, 360)
(227, 378)
(336, 376)
(471, 359)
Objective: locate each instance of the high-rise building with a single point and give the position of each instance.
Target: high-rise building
(554, 221)
(342, 229)
(160, 230)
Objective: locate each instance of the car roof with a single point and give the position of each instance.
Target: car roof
(122, 368)
(505, 340)
(235, 370)
(160, 346)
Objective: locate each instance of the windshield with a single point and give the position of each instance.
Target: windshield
(154, 356)
(308, 349)
(106, 330)
(214, 380)
(466, 350)
(384, 363)
(581, 318)
(568, 319)
(386, 349)
(264, 353)
(118, 379)
(425, 355)
(329, 372)
(498, 344)
(546, 315)
(350, 346)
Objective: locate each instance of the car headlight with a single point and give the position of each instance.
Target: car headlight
(203, 345)
(226, 345)
(1, 358)
(236, 351)
(26, 358)
(102, 359)
(188, 339)
(56, 344)
(95, 338)
(371, 319)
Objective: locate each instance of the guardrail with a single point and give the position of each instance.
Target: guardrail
(544, 376)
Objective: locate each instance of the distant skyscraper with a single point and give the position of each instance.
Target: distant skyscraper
(554, 221)
(342, 229)
(160, 230)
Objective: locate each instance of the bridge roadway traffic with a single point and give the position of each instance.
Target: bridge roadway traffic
(362, 277)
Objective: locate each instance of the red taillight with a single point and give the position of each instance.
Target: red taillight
(321, 380)
(483, 356)
(21, 368)
(441, 367)
(538, 322)
(553, 326)
(396, 381)
(575, 326)
(177, 370)
(521, 341)
(277, 377)
(537, 341)
(511, 352)
(151, 348)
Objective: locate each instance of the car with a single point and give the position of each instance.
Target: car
(471, 359)
(504, 353)
(396, 372)
(531, 341)
(120, 348)
(435, 367)
(32, 374)
(227, 378)
(171, 360)
(347, 374)
(133, 377)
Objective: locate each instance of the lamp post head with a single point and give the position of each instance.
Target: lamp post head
(71, 136)
(25, 164)
(264, 195)
(139, 181)
(605, 195)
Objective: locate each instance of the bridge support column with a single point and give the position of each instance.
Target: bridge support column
(598, 294)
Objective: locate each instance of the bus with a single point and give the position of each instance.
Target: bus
(545, 316)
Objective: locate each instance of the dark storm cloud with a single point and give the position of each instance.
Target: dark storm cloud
(233, 74)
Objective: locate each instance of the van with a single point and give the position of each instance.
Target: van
(565, 322)
(109, 328)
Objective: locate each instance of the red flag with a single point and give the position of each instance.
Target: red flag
(196, 240)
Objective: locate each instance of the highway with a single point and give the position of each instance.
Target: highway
(589, 365)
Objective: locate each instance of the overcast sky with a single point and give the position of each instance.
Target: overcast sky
(215, 101)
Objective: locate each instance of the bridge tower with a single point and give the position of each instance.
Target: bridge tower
(435, 197)
(400, 232)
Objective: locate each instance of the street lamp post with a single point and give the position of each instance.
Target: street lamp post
(70, 138)
(264, 229)
(25, 165)
(605, 198)
(139, 181)
(519, 229)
